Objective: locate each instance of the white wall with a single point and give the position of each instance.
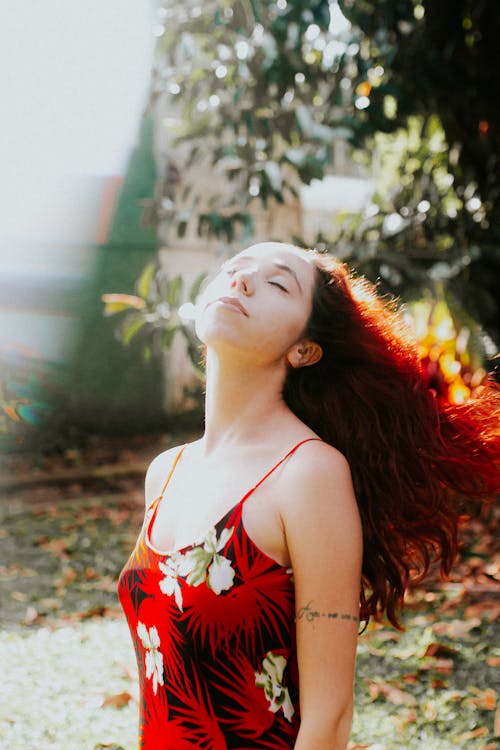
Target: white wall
(73, 82)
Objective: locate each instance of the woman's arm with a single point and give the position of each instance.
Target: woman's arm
(324, 538)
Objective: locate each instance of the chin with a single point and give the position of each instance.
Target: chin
(212, 328)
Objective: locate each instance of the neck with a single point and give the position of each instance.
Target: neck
(242, 401)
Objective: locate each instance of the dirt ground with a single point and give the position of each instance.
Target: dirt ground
(68, 525)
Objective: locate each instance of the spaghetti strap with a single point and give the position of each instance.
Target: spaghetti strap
(292, 450)
(167, 480)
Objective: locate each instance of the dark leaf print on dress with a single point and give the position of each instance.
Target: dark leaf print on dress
(214, 632)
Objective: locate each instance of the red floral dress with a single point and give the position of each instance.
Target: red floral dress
(213, 626)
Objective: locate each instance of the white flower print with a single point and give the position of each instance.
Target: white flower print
(220, 574)
(212, 545)
(205, 564)
(154, 658)
(271, 679)
(170, 584)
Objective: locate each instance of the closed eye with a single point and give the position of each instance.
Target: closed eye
(280, 286)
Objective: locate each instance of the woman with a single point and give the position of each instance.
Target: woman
(327, 472)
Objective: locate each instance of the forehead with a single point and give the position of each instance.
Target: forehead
(280, 252)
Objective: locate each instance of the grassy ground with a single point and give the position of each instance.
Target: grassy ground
(69, 677)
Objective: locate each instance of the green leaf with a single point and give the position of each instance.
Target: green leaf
(255, 9)
(115, 303)
(173, 291)
(131, 326)
(202, 560)
(145, 279)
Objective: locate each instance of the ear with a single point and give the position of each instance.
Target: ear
(304, 354)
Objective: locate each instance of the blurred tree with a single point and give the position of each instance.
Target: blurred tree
(109, 388)
(439, 70)
(264, 89)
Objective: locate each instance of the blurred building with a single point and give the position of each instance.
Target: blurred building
(69, 191)
(314, 212)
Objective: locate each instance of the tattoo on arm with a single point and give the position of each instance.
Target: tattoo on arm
(309, 614)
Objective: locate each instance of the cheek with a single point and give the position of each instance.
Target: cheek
(214, 289)
(294, 325)
(281, 328)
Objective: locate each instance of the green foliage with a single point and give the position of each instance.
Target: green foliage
(264, 89)
(415, 236)
(153, 314)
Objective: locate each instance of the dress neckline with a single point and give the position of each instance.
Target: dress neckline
(180, 550)
(153, 508)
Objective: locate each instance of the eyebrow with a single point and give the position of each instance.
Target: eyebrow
(277, 264)
(289, 270)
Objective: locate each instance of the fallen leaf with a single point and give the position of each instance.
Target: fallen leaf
(97, 611)
(391, 693)
(57, 547)
(456, 628)
(119, 700)
(19, 596)
(493, 569)
(438, 684)
(439, 650)
(479, 732)
(443, 666)
(412, 679)
(485, 699)
(11, 571)
(489, 609)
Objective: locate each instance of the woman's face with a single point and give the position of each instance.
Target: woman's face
(259, 302)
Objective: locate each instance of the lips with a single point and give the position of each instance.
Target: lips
(234, 303)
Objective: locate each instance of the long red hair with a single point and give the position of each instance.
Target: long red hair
(413, 459)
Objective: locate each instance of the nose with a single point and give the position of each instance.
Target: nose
(242, 280)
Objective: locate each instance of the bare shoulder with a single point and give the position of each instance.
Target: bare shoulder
(157, 472)
(322, 456)
(323, 530)
(319, 485)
